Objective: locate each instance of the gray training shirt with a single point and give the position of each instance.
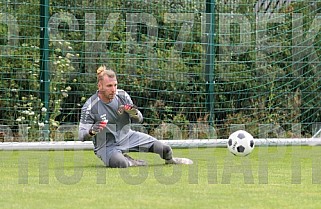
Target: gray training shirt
(117, 136)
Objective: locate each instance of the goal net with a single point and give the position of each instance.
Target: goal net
(196, 69)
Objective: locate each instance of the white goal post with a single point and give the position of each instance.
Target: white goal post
(191, 143)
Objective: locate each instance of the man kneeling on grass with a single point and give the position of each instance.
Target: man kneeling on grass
(106, 117)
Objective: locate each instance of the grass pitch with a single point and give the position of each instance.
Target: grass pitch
(271, 177)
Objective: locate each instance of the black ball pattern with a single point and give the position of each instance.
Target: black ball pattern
(230, 142)
(240, 149)
(241, 136)
(251, 143)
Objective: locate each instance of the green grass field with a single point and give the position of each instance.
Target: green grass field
(274, 177)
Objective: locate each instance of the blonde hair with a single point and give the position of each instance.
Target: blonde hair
(104, 71)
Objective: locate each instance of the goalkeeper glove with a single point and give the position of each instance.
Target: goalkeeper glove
(131, 110)
(97, 127)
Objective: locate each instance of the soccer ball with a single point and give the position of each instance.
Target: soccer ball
(240, 143)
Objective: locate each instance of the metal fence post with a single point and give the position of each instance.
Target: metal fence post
(44, 63)
(210, 57)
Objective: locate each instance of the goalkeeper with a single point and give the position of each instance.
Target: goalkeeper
(106, 117)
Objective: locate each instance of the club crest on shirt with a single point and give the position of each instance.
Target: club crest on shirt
(120, 110)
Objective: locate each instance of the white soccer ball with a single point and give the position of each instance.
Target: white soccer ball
(240, 143)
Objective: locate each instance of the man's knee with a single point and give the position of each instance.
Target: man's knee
(164, 150)
(167, 155)
(118, 160)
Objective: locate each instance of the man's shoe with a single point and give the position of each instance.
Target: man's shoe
(177, 160)
(133, 162)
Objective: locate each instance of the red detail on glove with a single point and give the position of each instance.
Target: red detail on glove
(103, 124)
(128, 107)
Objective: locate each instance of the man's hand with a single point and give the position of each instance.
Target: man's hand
(131, 110)
(97, 127)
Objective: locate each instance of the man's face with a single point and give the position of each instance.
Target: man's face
(107, 88)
